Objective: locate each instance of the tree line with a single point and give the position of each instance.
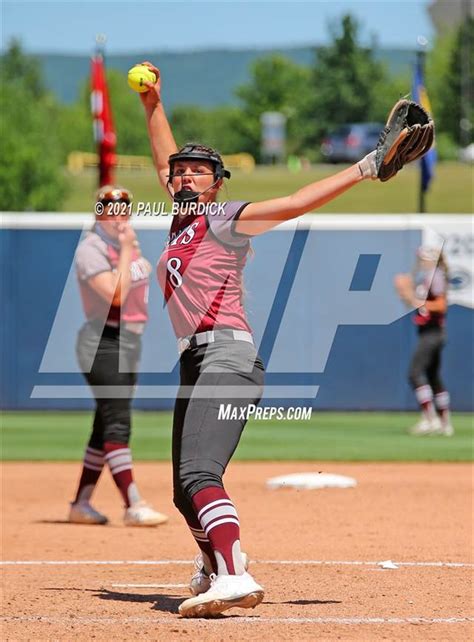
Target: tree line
(344, 84)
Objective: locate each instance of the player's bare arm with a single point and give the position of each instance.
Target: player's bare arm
(408, 123)
(114, 286)
(406, 291)
(262, 216)
(159, 130)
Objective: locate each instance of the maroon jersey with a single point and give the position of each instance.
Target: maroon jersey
(95, 255)
(428, 286)
(200, 271)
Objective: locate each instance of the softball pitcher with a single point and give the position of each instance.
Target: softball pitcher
(200, 272)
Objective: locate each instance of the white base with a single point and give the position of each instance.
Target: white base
(310, 481)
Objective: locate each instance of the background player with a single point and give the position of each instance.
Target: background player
(200, 272)
(113, 279)
(427, 292)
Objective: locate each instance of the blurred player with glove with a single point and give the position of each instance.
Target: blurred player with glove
(426, 291)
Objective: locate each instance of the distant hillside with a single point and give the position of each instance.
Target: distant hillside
(205, 78)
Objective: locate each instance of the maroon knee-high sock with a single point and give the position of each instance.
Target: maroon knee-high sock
(442, 402)
(220, 523)
(424, 396)
(92, 466)
(119, 460)
(201, 539)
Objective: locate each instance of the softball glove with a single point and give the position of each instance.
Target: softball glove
(407, 136)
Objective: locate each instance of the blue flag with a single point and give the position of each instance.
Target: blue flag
(428, 161)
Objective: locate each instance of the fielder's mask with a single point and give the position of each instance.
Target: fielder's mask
(196, 153)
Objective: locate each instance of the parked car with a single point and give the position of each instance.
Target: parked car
(349, 143)
(466, 155)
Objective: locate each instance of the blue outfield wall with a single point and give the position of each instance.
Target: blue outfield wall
(328, 324)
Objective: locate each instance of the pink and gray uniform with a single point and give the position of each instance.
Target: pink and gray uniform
(93, 256)
(108, 350)
(429, 285)
(200, 272)
(424, 373)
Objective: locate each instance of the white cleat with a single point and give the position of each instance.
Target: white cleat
(446, 430)
(200, 581)
(226, 592)
(426, 427)
(83, 513)
(141, 514)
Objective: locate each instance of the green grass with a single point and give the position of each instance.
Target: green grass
(60, 436)
(451, 191)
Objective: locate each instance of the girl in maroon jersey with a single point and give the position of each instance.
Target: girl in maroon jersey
(426, 292)
(200, 272)
(113, 280)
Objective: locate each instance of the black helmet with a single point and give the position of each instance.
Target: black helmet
(193, 151)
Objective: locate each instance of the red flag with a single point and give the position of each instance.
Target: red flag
(104, 132)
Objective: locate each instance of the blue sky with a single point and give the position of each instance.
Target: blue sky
(70, 27)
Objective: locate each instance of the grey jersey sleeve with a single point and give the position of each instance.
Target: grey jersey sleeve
(438, 285)
(91, 257)
(222, 223)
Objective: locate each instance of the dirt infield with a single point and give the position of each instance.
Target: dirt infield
(316, 553)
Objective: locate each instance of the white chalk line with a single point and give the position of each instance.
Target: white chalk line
(240, 620)
(149, 585)
(189, 562)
